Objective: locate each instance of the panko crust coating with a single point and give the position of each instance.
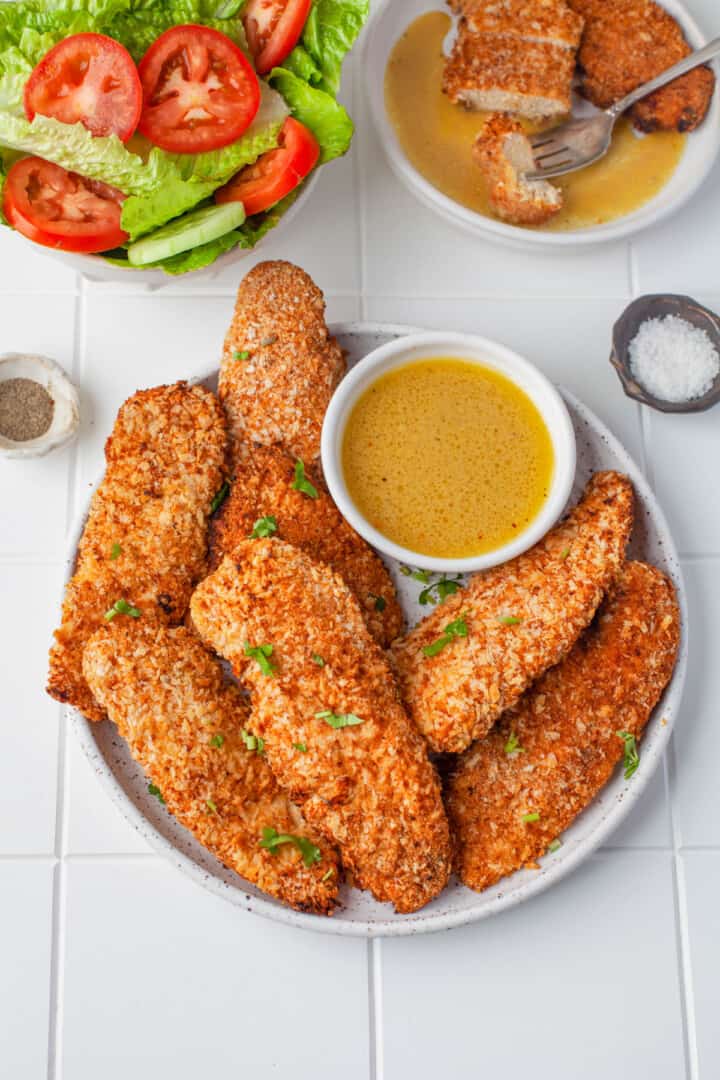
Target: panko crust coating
(503, 153)
(567, 727)
(145, 539)
(550, 21)
(522, 618)
(628, 42)
(170, 700)
(278, 394)
(369, 786)
(263, 487)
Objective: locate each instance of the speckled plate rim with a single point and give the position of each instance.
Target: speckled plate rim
(699, 156)
(603, 816)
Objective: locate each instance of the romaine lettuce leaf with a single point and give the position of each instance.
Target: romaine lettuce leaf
(330, 32)
(326, 118)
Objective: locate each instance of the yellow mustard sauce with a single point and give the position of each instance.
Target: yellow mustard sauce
(447, 457)
(437, 138)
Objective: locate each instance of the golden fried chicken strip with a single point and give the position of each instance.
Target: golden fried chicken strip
(550, 21)
(521, 619)
(566, 729)
(279, 365)
(336, 734)
(184, 724)
(263, 488)
(504, 155)
(628, 42)
(145, 540)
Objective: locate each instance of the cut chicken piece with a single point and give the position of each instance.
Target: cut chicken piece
(326, 704)
(520, 619)
(185, 725)
(513, 793)
(550, 21)
(504, 154)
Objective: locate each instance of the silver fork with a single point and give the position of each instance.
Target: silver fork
(580, 142)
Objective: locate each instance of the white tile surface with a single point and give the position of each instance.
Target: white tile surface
(194, 987)
(564, 987)
(95, 825)
(25, 946)
(702, 885)
(29, 719)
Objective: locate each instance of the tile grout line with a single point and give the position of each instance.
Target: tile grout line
(360, 217)
(59, 907)
(377, 1064)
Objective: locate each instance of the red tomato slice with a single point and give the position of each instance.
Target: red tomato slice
(61, 209)
(276, 173)
(272, 28)
(200, 91)
(88, 78)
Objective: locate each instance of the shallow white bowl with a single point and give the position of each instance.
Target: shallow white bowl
(360, 915)
(476, 350)
(388, 23)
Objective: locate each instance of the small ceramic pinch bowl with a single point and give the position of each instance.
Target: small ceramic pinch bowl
(477, 350)
(657, 306)
(66, 407)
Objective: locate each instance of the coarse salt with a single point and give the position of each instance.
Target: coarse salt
(673, 360)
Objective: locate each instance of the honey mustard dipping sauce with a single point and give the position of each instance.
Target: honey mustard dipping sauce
(437, 138)
(447, 457)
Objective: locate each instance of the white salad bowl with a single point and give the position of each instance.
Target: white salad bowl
(476, 350)
(700, 153)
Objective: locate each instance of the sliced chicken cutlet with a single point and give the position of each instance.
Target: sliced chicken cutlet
(264, 490)
(280, 365)
(504, 155)
(145, 541)
(569, 733)
(504, 73)
(184, 725)
(628, 42)
(326, 704)
(550, 21)
(520, 619)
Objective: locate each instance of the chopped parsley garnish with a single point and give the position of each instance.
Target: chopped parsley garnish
(417, 575)
(264, 526)
(318, 659)
(153, 789)
(301, 746)
(632, 757)
(262, 654)
(301, 483)
(564, 553)
(380, 601)
(115, 551)
(220, 497)
(241, 355)
(512, 746)
(252, 742)
(272, 839)
(453, 630)
(439, 590)
(211, 806)
(554, 845)
(339, 720)
(217, 740)
(122, 607)
(328, 874)
(529, 818)
(509, 620)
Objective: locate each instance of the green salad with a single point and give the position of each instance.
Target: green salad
(188, 134)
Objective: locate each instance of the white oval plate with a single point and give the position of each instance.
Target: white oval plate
(360, 915)
(701, 149)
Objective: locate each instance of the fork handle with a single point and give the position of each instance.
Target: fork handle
(695, 59)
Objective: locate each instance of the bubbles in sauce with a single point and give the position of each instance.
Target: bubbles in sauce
(447, 457)
(437, 138)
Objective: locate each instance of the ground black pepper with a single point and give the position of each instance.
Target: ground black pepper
(26, 409)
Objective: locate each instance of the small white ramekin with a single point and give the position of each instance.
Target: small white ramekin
(480, 351)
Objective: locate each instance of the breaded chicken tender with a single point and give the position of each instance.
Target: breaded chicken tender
(504, 154)
(145, 540)
(326, 704)
(279, 364)
(263, 488)
(184, 725)
(628, 42)
(549, 21)
(566, 730)
(520, 619)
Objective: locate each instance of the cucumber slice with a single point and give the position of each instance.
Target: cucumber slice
(186, 232)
